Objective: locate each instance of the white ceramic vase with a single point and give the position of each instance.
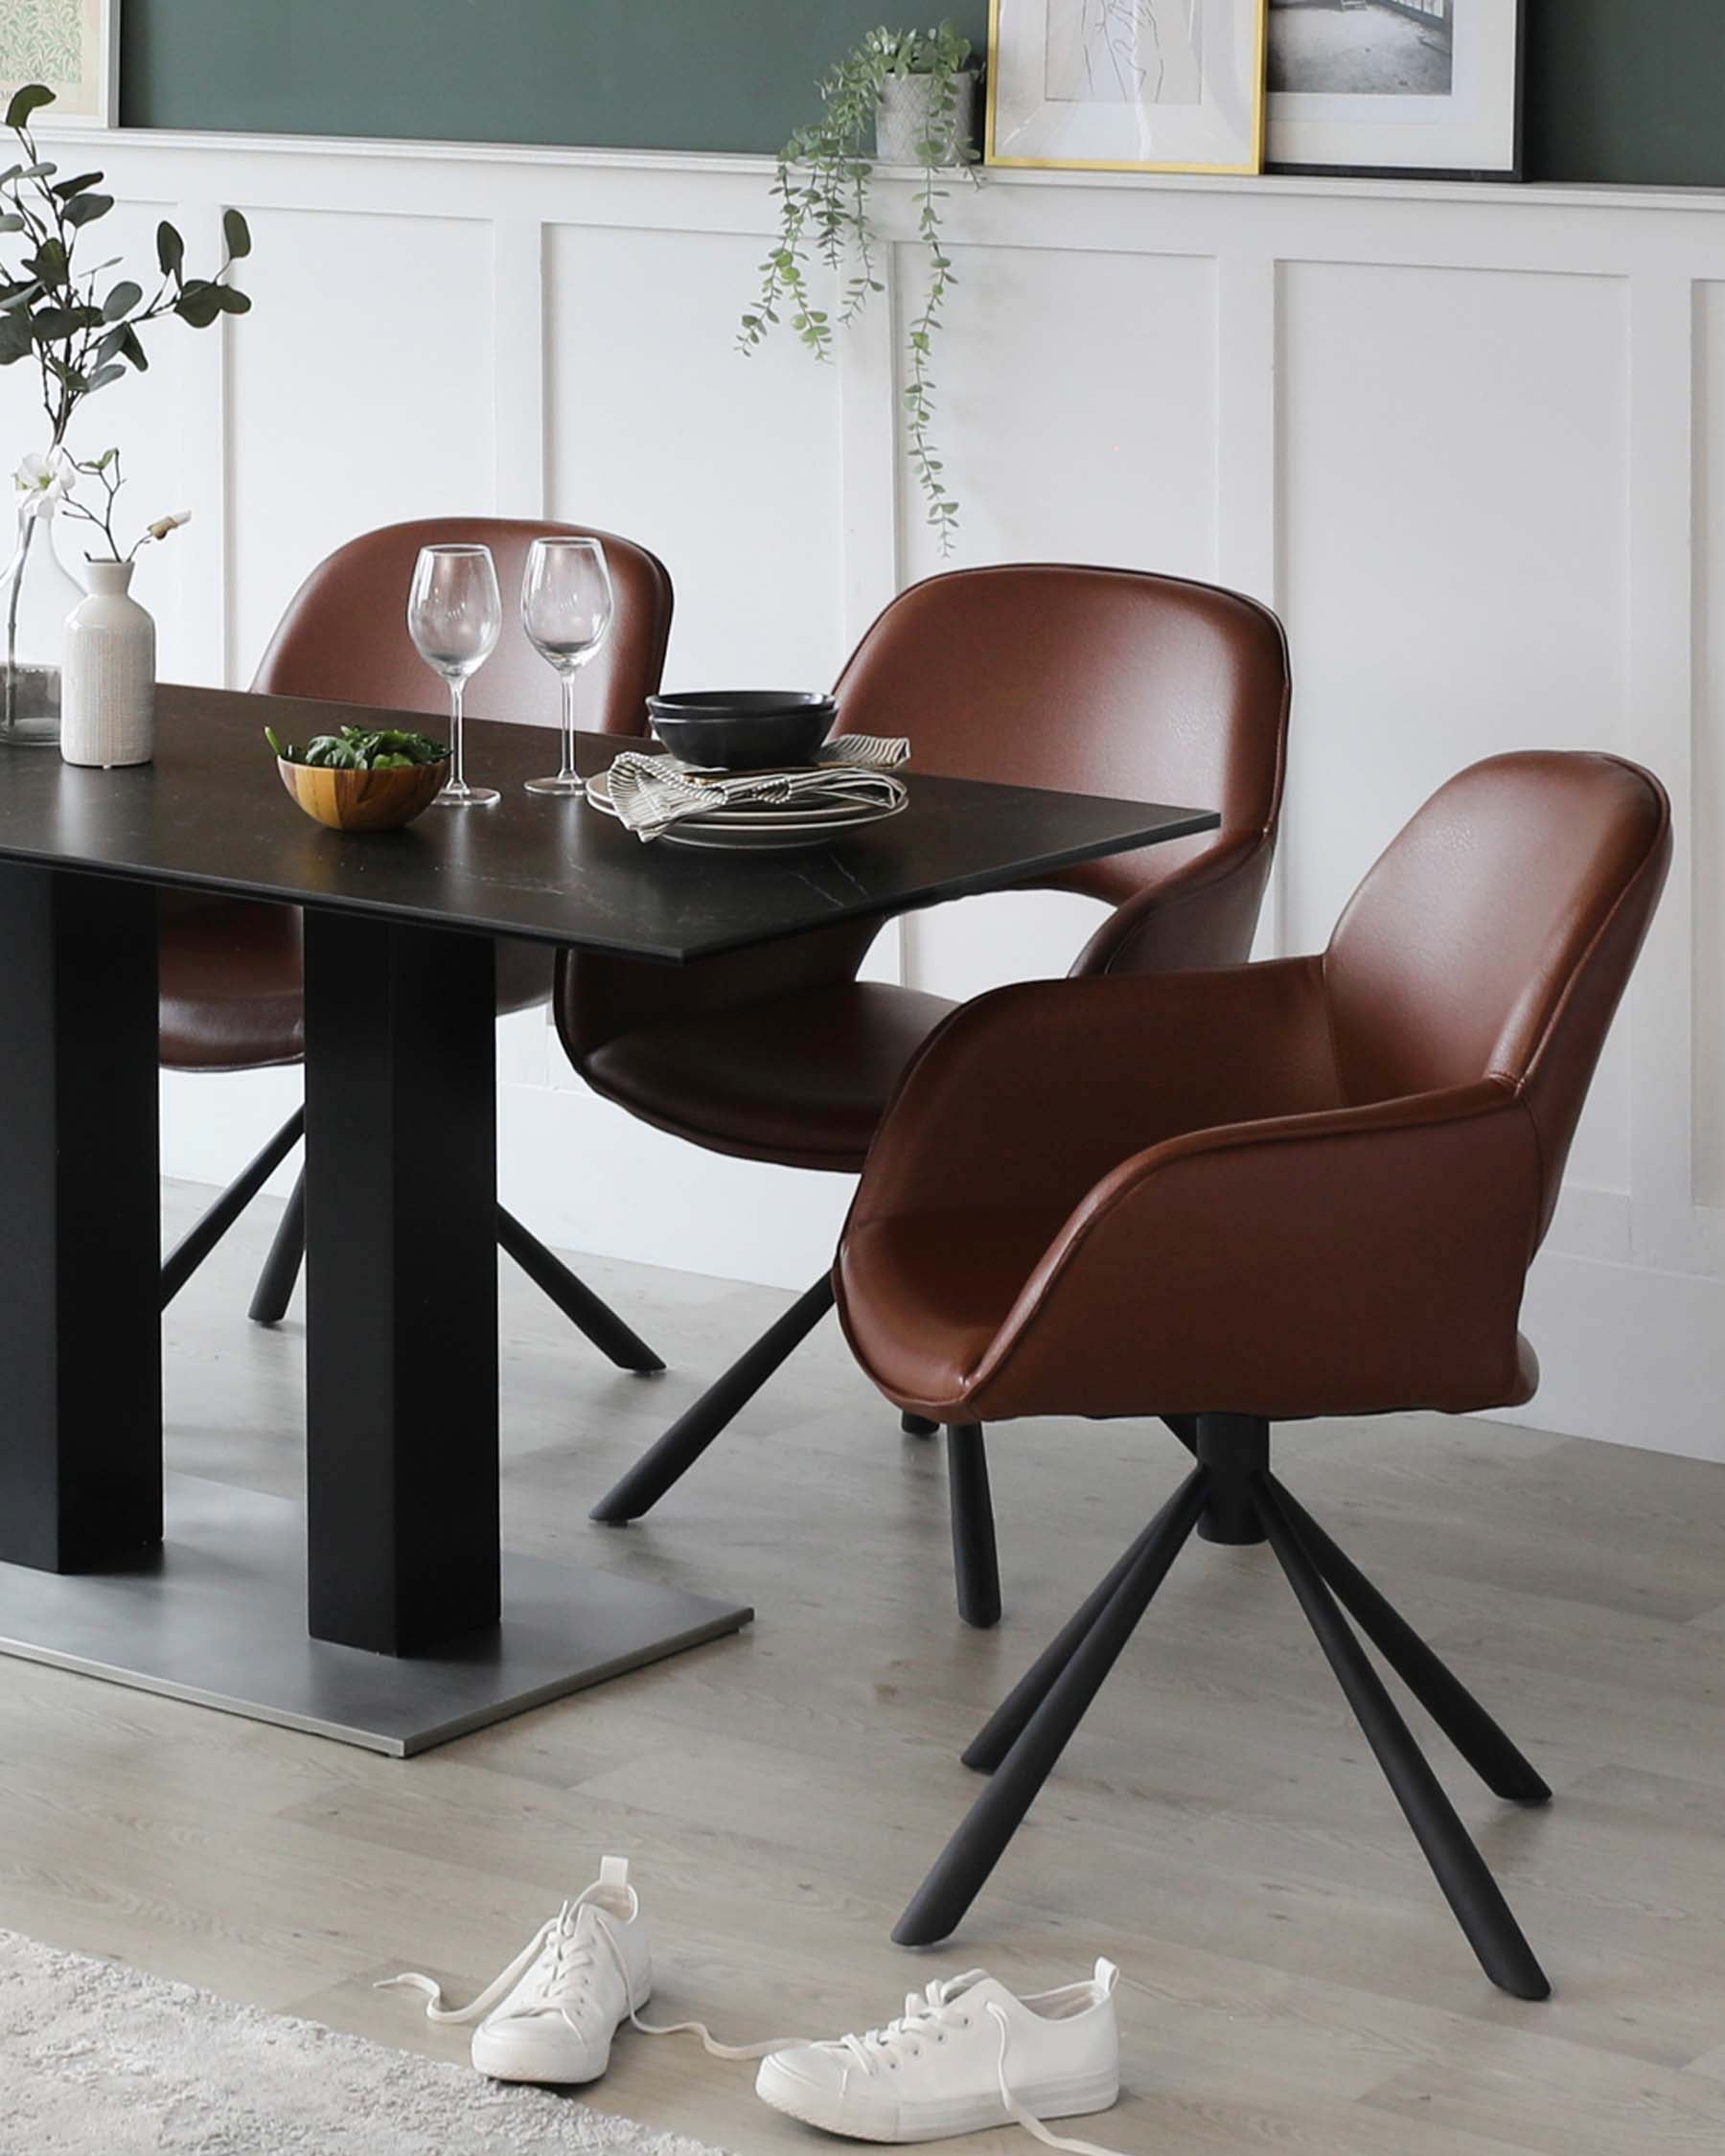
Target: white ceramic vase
(107, 681)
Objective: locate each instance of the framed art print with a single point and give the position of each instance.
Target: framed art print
(73, 46)
(1415, 89)
(1127, 85)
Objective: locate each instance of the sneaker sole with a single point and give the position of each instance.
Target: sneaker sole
(546, 2075)
(857, 2120)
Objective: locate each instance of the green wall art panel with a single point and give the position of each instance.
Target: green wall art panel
(1617, 90)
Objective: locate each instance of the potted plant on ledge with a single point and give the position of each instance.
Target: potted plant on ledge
(901, 97)
(82, 333)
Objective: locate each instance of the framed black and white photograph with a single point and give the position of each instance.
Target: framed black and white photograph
(1421, 87)
(1127, 85)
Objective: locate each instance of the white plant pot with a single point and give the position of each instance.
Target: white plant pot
(107, 683)
(902, 124)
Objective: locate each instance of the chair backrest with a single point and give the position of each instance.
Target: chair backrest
(344, 637)
(1086, 681)
(1496, 936)
(1077, 680)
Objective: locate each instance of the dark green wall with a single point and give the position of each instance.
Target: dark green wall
(616, 74)
(1627, 90)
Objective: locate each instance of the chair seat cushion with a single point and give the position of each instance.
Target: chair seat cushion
(231, 994)
(925, 1295)
(801, 1079)
(232, 982)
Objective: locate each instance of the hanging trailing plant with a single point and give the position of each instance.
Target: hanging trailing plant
(821, 188)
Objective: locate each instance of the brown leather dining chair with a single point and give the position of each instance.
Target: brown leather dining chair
(1323, 1200)
(231, 980)
(1094, 680)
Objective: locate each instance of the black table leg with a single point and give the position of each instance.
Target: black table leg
(401, 1284)
(253, 1603)
(80, 1351)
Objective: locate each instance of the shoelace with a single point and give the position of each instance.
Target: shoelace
(559, 1933)
(935, 2003)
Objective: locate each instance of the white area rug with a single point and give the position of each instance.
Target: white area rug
(96, 2059)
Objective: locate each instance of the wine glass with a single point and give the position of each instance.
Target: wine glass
(456, 616)
(567, 605)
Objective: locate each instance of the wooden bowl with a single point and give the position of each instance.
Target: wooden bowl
(363, 800)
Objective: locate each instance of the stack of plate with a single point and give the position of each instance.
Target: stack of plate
(759, 827)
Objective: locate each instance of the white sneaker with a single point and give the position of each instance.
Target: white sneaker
(550, 2016)
(964, 2055)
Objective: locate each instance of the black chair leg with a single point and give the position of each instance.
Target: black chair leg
(1025, 1735)
(671, 1458)
(991, 1744)
(1498, 1762)
(1184, 1428)
(917, 1425)
(1457, 1866)
(192, 1247)
(941, 1901)
(577, 1301)
(976, 1561)
(274, 1289)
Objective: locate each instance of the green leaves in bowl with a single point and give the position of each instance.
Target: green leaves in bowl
(354, 749)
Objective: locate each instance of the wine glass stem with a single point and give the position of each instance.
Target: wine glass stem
(458, 746)
(569, 725)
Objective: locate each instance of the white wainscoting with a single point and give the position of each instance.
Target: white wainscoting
(1471, 441)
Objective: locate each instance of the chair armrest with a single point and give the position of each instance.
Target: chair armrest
(1202, 912)
(1031, 1094)
(1352, 1261)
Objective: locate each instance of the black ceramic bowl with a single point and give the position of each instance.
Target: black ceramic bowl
(743, 729)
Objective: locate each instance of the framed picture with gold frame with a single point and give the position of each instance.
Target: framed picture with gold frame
(73, 46)
(1127, 85)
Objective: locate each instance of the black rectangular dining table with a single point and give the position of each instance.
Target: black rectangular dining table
(383, 1612)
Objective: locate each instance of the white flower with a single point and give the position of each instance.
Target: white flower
(44, 482)
(163, 525)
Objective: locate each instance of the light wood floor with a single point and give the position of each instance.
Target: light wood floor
(1293, 1981)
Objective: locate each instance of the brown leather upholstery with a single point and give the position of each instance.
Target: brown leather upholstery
(233, 983)
(231, 967)
(344, 637)
(1097, 680)
(1309, 1188)
(796, 1078)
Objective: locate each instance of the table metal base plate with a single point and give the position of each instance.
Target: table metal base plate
(219, 1618)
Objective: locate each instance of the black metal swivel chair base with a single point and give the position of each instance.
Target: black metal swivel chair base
(577, 1301)
(975, 1564)
(1230, 1496)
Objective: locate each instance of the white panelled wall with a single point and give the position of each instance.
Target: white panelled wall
(1470, 441)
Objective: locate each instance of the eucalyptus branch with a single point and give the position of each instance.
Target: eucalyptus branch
(821, 189)
(863, 281)
(49, 309)
(919, 409)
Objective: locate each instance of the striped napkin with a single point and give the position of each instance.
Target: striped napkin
(649, 793)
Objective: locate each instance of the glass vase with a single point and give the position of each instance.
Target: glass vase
(37, 594)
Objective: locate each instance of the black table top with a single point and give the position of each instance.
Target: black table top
(211, 814)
